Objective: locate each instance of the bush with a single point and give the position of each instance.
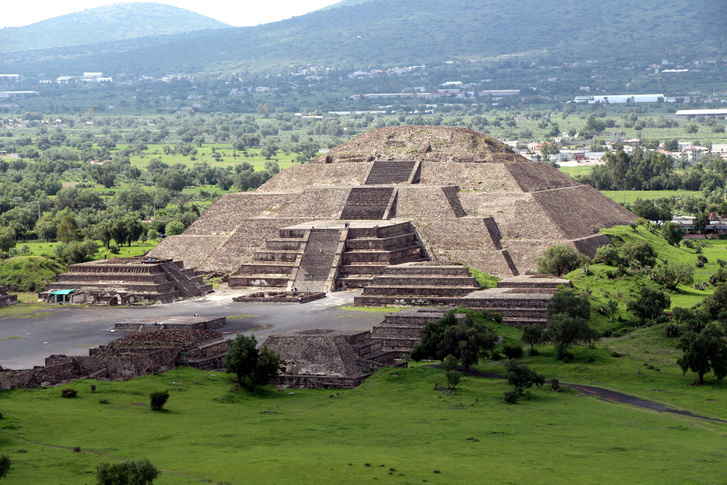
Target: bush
(639, 254)
(512, 350)
(688, 243)
(608, 255)
(5, 463)
(511, 396)
(135, 472)
(559, 260)
(699, 263)
(672, 331)
(158, 399)
(68, 392)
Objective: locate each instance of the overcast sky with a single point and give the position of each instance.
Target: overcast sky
(237, 13)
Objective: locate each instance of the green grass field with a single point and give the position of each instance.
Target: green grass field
(630, 196)
(395, 428)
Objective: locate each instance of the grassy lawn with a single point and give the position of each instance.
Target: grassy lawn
(395, 428)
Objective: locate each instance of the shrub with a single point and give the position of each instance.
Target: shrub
(559, 260)
(639, 254)
(722, 263)
(702, 258)
(5, 463)
(511, 396)
(512, 350)
(68, 392)
(158, 400)
(608, 255)
(672, 331)
(136, 472)
(702, 285)
(688, 243)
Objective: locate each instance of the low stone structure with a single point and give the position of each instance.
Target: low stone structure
(130, 356)
(128, 280)
(7, 299)
(320, 358)
(172, 323)
(279, 297)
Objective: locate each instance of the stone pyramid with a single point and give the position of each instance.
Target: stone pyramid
(466, 198)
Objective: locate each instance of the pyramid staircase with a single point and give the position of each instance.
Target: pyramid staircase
(418, 284)
(273, 266)
(368, 203)
(389, 173)
(369, 250)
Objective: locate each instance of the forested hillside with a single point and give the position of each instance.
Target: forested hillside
(109, 23)
(410, 32)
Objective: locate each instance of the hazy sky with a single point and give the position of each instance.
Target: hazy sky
(238, 13)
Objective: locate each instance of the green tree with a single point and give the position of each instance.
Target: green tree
(174, 228)
(520, 377)
(532, 334)
(68, 229)
(567, 302)
(565, 330)
(650, 304)
(703, 352)
(253, 367)
(464, 339)
(672, 233)
(670, 275)
(559, 260)
(7, 239)
(135, 472)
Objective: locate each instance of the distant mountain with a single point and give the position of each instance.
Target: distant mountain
(110, 23)
(409, 32)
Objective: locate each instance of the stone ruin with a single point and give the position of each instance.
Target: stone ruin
(6, 299)
(391, 196)
(127, 280)
(320, 358)
(129, 356)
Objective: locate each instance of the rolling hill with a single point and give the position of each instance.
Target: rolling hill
(408, 32)
(118, 22)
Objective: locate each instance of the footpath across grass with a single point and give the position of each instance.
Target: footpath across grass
(395, 428)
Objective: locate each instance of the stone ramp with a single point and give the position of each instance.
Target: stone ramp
(318, 260)
(367, 203)
(388, 173)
